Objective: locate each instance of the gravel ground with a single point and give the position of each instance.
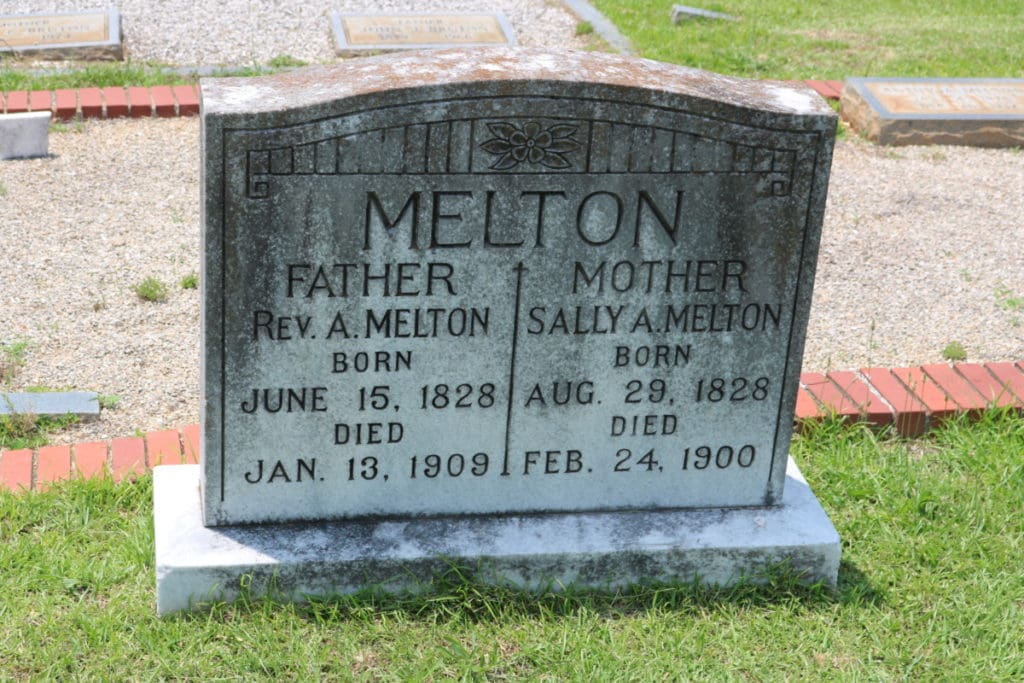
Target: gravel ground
(921, 246)
(243, 32)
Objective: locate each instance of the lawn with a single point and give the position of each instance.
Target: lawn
(930, 588)
(778, 39)
(783, 39)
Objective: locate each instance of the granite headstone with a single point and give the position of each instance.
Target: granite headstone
(548, 296)
(94, 34)
(360, 34)
(980, 112)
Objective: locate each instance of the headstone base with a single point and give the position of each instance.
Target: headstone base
(197, 564)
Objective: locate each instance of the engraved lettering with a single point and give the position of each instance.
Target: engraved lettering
(411, 206)
(302, 399)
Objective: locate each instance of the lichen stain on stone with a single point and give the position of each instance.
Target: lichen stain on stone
(796, 100)
(365, 76)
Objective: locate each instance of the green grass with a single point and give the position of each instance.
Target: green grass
(108, 401)
(833, 40)
(1007, 300)
(30, 431)
(286, 61)
(91, 76)
(151, 289)
(954, 350)
(584, 28)
(12, 359)
(119, 74)
(930, 588)
(190, 281)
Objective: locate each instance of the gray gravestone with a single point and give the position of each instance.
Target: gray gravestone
(25, 135)
(84, 404)
(356, 35)
(681, 13)
(558, 297)
(980, 112)
(94, 34)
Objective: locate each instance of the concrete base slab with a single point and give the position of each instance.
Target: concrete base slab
(197, 564)
(25, 135)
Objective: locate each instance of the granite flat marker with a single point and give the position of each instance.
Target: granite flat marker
(94, 34)
(980, 112)
(361, 34)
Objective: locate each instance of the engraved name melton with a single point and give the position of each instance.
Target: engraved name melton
(501, 304)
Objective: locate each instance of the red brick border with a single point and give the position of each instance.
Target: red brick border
(166, 101)
(911, 399)
(105, 103)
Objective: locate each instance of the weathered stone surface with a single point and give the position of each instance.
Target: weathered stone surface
(360, 34)
(979, 112)
(52, 403)
(498, 282)
(196, 564)
(94, 34)
(25, 135)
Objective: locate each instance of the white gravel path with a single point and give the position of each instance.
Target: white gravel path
(921, 247)
(919, 244)
(246, 32)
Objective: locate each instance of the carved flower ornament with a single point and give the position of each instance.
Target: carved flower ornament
(530, 144)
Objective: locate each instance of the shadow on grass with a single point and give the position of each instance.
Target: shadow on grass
(458, 595)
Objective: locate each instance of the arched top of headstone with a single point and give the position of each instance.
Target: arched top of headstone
(501, 71)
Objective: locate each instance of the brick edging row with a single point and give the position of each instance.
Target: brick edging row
(912, 400)
(105, 103)
(163, 100)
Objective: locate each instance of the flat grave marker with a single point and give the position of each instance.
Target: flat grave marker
(982, 112)
(361, 34)
(84, 404)
(94, 34)
(681, 13)
(25, 135)
(521, 292)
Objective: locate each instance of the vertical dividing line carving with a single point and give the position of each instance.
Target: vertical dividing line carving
(520, 269)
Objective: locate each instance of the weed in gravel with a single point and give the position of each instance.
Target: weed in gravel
(285, 61)
(1007, 300)
(584, 28)
(108, 401)
(22, 430)
(3, 190)
(190, 281)
(76, 127)
(151, 289)
(12, 358)
(954, 351)
(101, 302)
